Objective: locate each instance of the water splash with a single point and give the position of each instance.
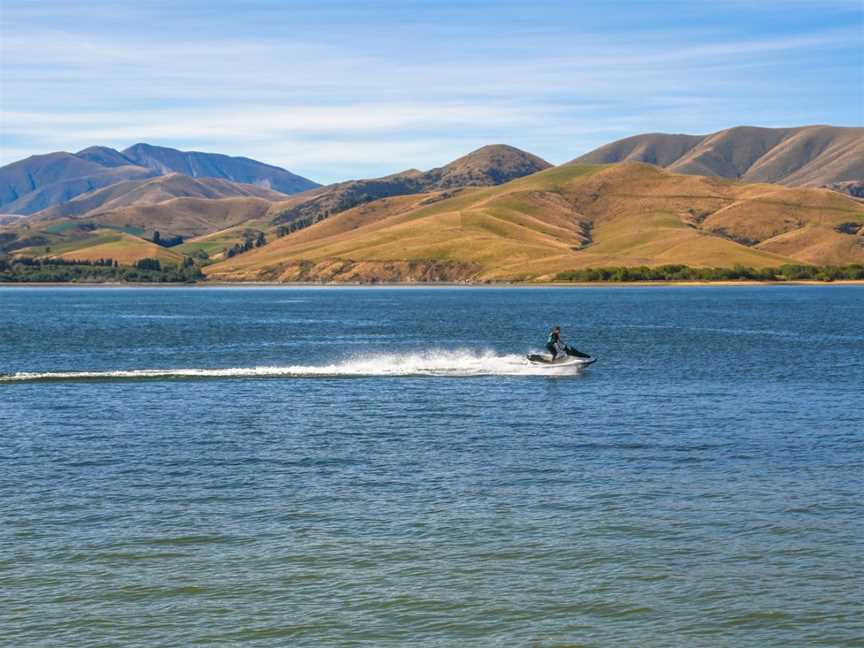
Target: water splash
(449, 363)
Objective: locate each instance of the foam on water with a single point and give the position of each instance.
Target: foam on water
(450, 363)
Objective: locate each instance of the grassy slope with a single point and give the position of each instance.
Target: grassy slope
(214, 244)
(106, 244)
(804, 156)
(225, 219)
(571, 217)
(342, 225)
(188, 217)
(404, 228)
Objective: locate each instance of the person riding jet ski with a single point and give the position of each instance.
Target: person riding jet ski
(558, 349)
(554, 342)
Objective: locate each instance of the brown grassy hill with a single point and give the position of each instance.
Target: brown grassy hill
(215, 244)
(187, 217)
(567, 217)
(151, 191)
(123, 248)
(806, 156)
(229, 218)
(660, 149)
(101, 243)
(487, 166)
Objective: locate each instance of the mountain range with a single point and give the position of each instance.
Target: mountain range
(489, 165)
(564, 218)
(808, 156)
(41, 181)
(497, 213)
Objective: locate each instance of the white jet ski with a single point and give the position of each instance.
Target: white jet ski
(566, 357)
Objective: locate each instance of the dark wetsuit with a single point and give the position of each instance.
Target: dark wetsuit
(552, 344)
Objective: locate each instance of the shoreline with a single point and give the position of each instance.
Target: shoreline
(442, 284)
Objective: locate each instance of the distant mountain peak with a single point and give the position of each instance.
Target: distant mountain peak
(216, 165)
(498, 155)
(104, 155)
(487, 166)
(41, 181)
(797, 156)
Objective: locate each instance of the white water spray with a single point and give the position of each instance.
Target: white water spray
(447, 363)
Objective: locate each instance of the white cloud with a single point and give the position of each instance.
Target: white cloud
(351, 97)
(263, 122)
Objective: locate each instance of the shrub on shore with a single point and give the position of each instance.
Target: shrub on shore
(27, 270)
(737, 273)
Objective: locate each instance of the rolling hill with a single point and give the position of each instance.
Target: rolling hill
(94, 243)
(231, 219)
(562, 218)
(187, 216)
(498, 213)
(152, 191)
(216, 214)
(41, 181)
(174, 205)
(489, 165)
(807, 156)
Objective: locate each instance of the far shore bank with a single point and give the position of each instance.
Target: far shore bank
(442, 284)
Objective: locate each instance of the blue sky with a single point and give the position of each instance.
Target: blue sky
(335, 90)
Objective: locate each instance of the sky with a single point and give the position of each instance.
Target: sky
(335, 90)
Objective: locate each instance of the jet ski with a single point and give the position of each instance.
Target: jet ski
(566, 357)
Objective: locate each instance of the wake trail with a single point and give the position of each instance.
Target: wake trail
(455, 364)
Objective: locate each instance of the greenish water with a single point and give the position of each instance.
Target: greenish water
(343, 467)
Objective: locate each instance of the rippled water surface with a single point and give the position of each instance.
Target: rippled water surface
(308, 467)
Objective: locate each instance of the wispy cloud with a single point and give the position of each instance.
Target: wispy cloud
(299, 84)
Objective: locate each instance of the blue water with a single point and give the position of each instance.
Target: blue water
(346, 467)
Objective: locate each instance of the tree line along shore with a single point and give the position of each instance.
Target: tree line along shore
(148, 270)
(151, 270)
(738, 273)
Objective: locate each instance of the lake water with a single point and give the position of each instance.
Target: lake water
(347, 467)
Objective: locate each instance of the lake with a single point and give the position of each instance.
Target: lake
(380, 466)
